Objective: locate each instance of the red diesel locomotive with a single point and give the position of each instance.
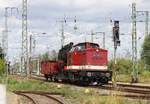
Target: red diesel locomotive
(83, 63)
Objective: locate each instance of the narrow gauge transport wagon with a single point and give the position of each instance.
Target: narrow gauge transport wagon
(50, 68)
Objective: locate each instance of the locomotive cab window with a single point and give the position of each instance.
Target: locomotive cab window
(94, 45)
(80, 47)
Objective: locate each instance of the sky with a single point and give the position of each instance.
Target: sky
(91, 15)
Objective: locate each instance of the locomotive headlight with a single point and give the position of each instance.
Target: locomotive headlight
(107, 74)
(97, 50)
(89, 74)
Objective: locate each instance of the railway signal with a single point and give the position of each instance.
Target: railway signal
(116, 34)
(116, 43)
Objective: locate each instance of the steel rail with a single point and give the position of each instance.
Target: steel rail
(46, 94)
(30, 98)
(131, 85)
(128, 88)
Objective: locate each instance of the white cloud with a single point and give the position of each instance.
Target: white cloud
(9, 3)
(91, 15)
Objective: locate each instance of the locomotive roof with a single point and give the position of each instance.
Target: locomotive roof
(86, 43)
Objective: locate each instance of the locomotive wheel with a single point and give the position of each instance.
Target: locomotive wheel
(46, 77)
(83, 82)
(66, 81)
(103, 80)
(51, 78)
(55, 79)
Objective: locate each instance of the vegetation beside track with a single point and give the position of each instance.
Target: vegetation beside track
(144, 77)
(76, 95)
(124, 70)
(145, 55)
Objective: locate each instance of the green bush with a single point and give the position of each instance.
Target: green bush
(146, 73)
(2, 67)
(124, 66)
(145, 55)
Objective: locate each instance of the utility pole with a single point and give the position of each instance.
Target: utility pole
(5, 34)
(146, 13)
(5, 40)
(103, 39)
(63, 21)
(25, 57)
(134, 45)
(94, 33)
(32, 42)
(92, 38)
(30, 54)
(134, 39)
(146, 22)
(62, 32)
(31, 48)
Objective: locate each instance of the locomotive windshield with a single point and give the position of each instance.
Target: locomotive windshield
(83, 46)
(94, 45)
(79, 47)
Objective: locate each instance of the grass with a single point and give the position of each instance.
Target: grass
(144, 77)
(74, 94)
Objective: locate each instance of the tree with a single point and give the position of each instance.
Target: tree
(123, 66)
(1, 53)
(49, 56)
(53, 55)
(145, 55)
(2, 67)
(45, 56)
(2, 62)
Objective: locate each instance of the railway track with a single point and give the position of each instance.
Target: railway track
(128, 90)
(131, 85)
(41, 97)
(131, 89)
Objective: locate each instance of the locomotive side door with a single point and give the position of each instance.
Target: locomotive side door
(81, 54)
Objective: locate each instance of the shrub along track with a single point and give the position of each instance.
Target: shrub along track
(131, 90)
(40, 97)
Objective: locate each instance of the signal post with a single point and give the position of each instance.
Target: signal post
(116, 44)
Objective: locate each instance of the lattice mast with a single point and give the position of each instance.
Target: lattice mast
(25, 57)
(5, 34)
(134, 45)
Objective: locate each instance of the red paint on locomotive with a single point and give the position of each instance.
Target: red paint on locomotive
(87, 56)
